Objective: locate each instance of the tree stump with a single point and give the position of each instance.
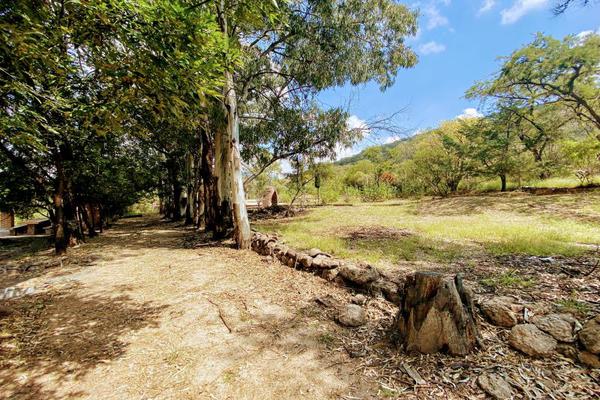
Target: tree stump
(436, 315)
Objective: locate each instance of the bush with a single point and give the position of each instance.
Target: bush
(379, 192)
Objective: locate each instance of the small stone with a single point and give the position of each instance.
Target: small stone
(495, 386)
(316, 252)
(499, 312)
(589, 359)
(323, 262)
(359, 299)
(531, 341)
(352, 315)
(568, 351)
(359, 274)
(589, 336)
(560, 326)
(330, 274)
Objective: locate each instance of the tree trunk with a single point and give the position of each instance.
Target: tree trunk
(61, 230)
(223, 176)
(241, 233)
(231, 186)
(209, 187)
(90, 219)
(503, 182)
(436, 314)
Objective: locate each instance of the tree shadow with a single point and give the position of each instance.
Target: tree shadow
(53, 337)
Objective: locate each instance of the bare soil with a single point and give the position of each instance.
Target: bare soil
(134, 314)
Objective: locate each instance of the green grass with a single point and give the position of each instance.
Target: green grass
(447, 229)
(508, 279)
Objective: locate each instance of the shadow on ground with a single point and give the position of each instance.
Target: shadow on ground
(60, 337)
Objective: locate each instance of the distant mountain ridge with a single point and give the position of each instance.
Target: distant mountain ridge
(361, 156)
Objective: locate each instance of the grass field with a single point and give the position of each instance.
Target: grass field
(443, 230)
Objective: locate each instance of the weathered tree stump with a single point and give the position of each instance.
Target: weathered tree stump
(436, 315)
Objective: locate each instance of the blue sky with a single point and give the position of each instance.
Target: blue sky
(458, 43)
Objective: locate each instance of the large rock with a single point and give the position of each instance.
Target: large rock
(360, 275)
(531, 341)
(562, 327)
(496, 386)
(589, 336)
(499, 311)
(388, 289)
(352, 315)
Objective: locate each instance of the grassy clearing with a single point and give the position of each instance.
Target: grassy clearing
(443, 230)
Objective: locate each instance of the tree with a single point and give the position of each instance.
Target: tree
(495, 144)
(443, 157)
(549, 72)
(295, 49)
(77, 78)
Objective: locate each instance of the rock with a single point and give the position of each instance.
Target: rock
(495, 386)
(388, 289)
(323, 262)
(561, 326)
(499, 312)
(359, 274)
(352, 315)
(589, 336)
(359, 299)
(568, 351)
(316, 252)
(291, 262)
(531, 341)
(330, 274)
(304, 260)
(589, 359)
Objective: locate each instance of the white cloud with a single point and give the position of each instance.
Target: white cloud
(354, 122)
(519, 9)
(391, 139)
(434, 18)
(470, 113)
(486, 6)
(431, 48)
(347, 151)
(584, 34)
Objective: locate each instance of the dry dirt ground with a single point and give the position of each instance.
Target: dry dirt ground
(139, 313)
(151, 310)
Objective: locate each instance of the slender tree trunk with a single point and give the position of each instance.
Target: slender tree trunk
(223, 179)
(242, 234)
(228, 160)
(503, 182)
(209, 186)
(90, 219)
(61, 228)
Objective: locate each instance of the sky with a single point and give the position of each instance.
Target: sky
(458, 43)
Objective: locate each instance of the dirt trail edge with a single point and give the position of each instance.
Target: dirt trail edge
(134, 314)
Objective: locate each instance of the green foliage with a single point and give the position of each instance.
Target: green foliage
(508, 279)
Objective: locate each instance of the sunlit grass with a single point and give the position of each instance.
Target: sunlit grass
(444, 230)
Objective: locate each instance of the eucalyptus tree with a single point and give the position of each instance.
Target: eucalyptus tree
(297, 48)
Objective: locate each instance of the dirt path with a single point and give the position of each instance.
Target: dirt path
(135, 315)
